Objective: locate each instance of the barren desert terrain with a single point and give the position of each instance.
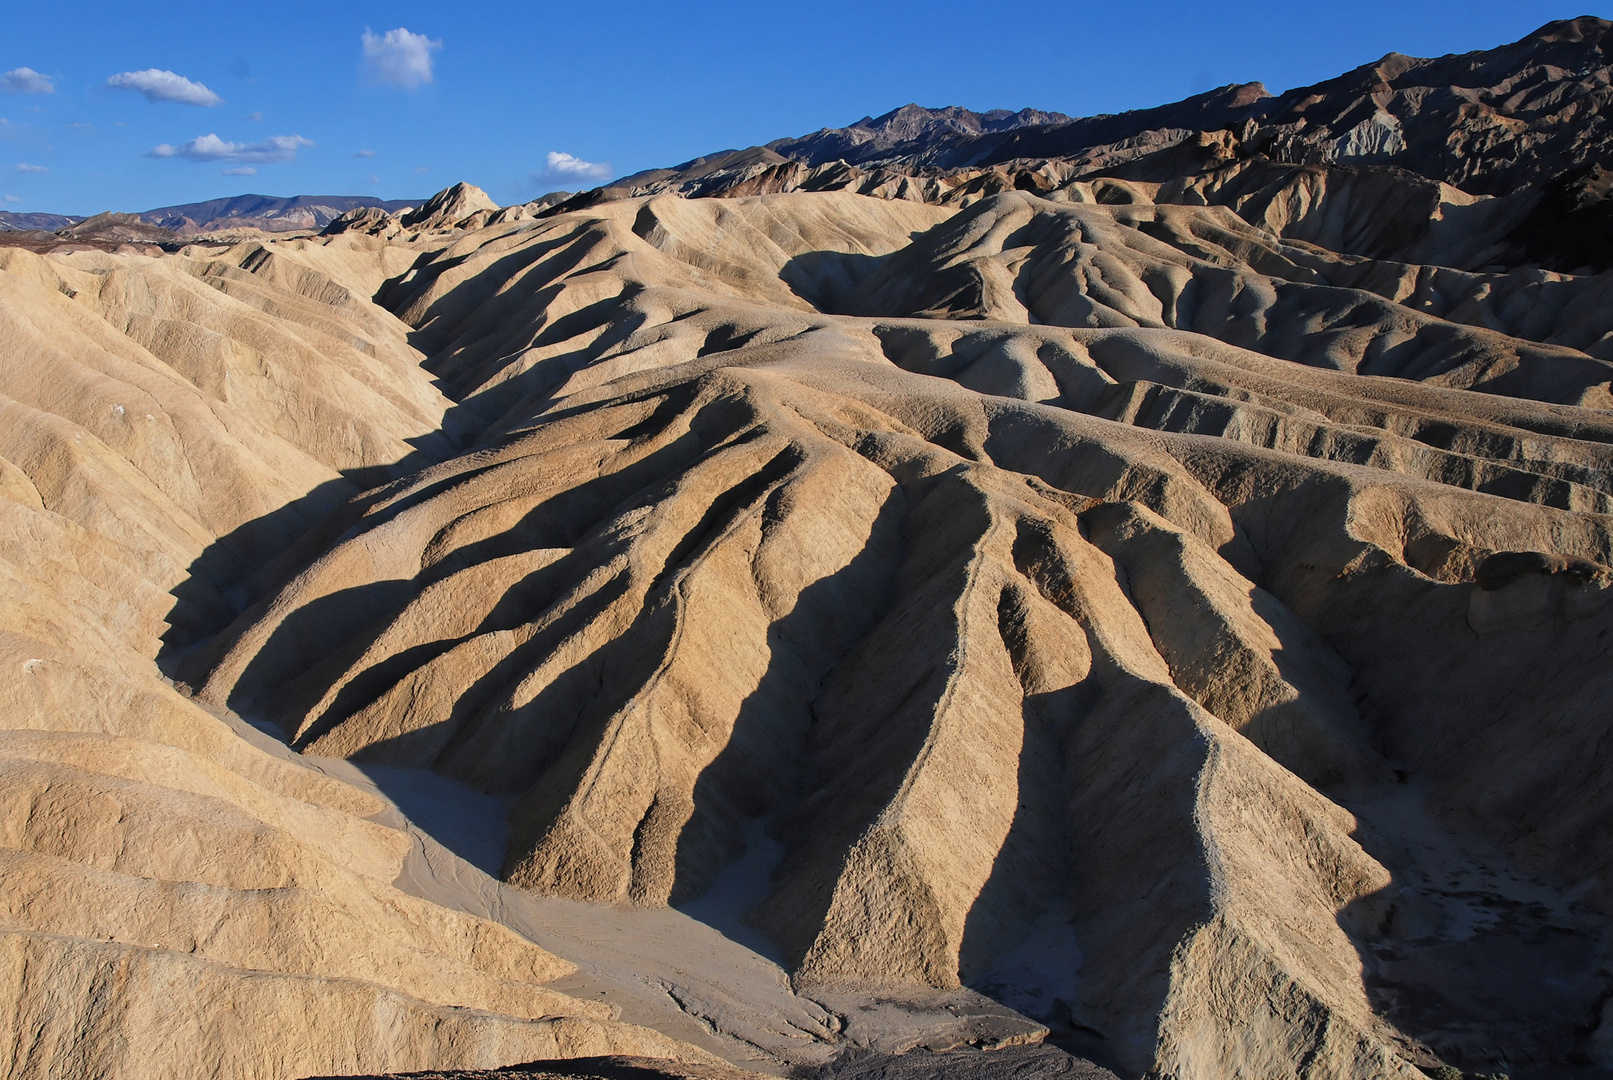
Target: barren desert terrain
(1128, 593)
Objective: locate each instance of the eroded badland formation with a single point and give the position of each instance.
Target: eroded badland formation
(1138, 583)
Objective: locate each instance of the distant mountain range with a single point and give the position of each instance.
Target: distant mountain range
(1492, 122)
(10, 222)
(1523, 133)
(1530, 122)
(901, 133)
(266, 212)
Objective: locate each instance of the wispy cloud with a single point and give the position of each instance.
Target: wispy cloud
(26, 80)
(240, 170)
(398, 58)
(32, 168)
(212, 148)
(422, 168)
(372, 179)
(364, 153)
(562, 166)
(255, 117)
(160, 85)
(13, 198)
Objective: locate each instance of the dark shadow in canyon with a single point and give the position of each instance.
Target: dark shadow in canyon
(725, 853)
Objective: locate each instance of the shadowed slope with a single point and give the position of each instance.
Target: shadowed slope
(180, 900)
(1002, 625)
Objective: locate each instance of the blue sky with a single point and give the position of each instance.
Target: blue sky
(157, 104)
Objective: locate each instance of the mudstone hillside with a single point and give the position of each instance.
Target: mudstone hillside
(1129, 592)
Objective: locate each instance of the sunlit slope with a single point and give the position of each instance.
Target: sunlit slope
(1115, 564)
(178, 902)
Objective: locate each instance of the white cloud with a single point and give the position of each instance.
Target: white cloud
(373, 179)
(13, 198)
(241, 170)
(26, 80)
(562, 166)
(422, 169)
(398, 58)
(364, 153)
(160, 85)
(213, 148)
(32, 168)
(255, 117)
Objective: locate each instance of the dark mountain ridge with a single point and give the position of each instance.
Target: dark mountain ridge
(296, 211)
(268, 212)
(1490, 121)
(902, 132)
(907, 130)
(15, 222)
(1513, 135)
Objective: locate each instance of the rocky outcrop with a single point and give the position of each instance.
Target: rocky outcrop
(118, 228)
(450, 207)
